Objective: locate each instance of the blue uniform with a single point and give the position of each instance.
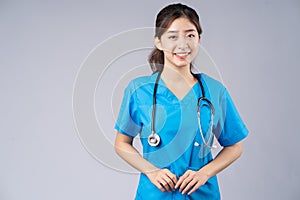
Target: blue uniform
(181, 147)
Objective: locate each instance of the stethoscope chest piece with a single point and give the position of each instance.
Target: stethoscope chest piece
(153, 139)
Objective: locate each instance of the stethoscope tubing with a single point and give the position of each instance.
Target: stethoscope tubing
(210, 139)
(154, 138)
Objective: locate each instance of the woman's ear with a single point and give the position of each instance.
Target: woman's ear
(157, 43)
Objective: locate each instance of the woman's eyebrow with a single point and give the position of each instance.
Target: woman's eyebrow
(188, 30)
(171, 31)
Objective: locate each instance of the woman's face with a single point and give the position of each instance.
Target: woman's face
(180, 43)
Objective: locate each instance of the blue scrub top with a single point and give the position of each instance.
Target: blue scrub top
(181, 147)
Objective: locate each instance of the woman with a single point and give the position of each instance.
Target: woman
(177, 161)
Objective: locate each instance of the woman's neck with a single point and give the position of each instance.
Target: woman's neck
(178, 75)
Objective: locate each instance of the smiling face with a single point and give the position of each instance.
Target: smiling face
(180, 43)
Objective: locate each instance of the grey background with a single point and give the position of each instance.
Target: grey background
(254, 43)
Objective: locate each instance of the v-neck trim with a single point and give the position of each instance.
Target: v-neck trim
(192, 89)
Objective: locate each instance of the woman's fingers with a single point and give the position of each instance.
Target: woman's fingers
(173, 177)
(189, 185)
(181, 179)
(163, 179)
(191, 181)
(170, 180)
(185, 182)
(159, 186)
(194, 188)
(165, 184)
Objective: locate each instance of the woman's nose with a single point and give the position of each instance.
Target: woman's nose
(182, 42)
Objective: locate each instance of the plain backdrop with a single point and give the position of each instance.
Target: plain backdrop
(43, 43)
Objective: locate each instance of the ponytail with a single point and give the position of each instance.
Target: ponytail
(156, 60)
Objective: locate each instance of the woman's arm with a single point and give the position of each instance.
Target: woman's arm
(161, 178)
(192, 180)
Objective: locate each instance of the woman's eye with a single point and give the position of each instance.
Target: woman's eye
(172, 37)
(191, 36)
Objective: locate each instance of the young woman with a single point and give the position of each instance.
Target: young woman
(177, 114)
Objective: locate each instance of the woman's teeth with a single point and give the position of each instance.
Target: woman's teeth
(182, 55)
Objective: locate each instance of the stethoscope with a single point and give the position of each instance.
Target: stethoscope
(154, 138)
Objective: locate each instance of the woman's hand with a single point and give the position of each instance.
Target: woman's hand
(191, 181)
(163, 179)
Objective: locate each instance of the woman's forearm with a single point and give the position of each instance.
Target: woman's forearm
(226, 156)
(163, 179)
(128, 153)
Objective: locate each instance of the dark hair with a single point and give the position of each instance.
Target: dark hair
(163, 20)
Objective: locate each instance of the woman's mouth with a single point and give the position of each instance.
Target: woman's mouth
(182, 55)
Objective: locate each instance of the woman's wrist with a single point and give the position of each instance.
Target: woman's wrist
(206, 171)
(150, 170)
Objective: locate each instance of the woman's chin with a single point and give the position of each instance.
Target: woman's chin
(184, 63)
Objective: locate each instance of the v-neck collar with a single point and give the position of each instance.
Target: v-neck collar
(191, 90)
(164, 90)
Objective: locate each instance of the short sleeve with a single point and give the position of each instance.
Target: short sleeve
(128, 119)
(233, 128)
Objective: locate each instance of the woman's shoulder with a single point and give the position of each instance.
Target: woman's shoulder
(140, 81)
(210, 81)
